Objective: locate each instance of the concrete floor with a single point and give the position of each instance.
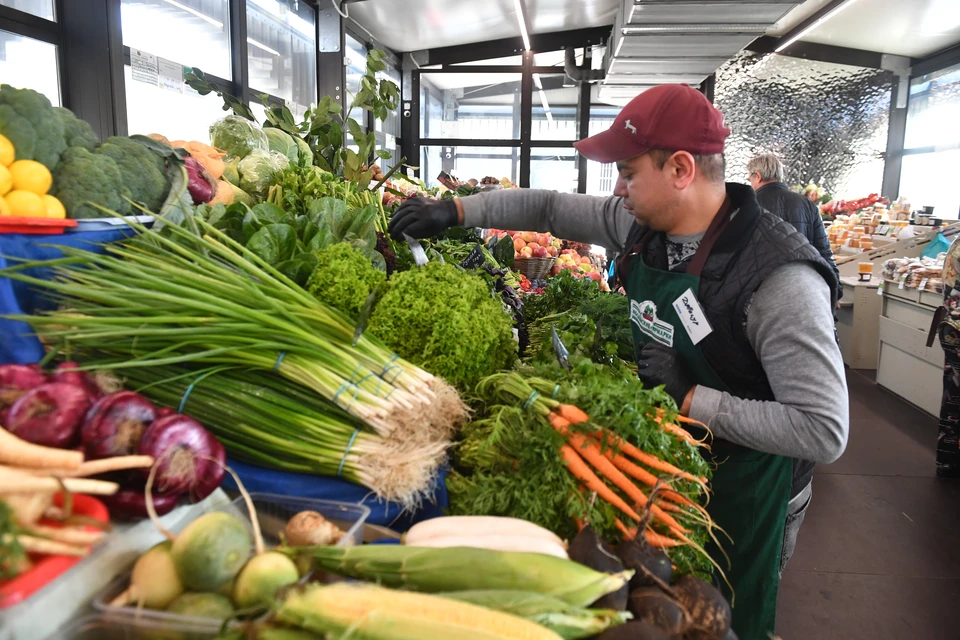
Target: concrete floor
(878, 555)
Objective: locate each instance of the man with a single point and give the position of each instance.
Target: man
(765, 173)
(731, 311)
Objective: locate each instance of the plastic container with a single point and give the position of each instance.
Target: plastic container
(35, 226)
(107, 627)
(273, 511)
(48, 568)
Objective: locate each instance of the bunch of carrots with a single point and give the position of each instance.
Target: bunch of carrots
(615, 470)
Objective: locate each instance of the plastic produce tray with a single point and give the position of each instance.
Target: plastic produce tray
(107, 627)
(273, 511)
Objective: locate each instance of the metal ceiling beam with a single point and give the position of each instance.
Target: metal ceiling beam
(820, 52)
(936, 61)
(512, 46)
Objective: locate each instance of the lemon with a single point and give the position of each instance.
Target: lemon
(4, 207)
(7, 152)
(26, 204)
(54, 208)
(30, 175)
(6, 180)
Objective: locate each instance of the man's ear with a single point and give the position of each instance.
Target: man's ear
(683, 169)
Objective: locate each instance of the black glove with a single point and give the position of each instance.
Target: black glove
(423, 218)
(657, 364)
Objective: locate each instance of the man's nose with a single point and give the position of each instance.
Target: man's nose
(620, 188)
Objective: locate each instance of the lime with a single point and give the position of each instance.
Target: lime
(25, 204)
(30, 175)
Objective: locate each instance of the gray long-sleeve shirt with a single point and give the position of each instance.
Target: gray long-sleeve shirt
(789, 324)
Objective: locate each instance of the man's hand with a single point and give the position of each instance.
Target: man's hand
(423, 218)
(658, 365)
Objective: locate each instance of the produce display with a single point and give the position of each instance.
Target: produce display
(925, 274)
(263, 315)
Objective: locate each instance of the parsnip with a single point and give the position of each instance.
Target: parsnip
(15, 451)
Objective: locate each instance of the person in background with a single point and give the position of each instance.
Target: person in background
(731, 310)
(946, 326)
(766, 173)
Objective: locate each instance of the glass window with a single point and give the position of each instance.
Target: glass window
(934, 110)
(40, 8)
(554, 58)
(178, 116)
(601, 178)
(477, 106)
(554, 108)
(465, 163)
(356, 64)
(553, 169)
(26, 63)
(929, 179)
(201, 28)
(282, 50)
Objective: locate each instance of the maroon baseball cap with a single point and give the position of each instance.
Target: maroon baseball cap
(675, 117)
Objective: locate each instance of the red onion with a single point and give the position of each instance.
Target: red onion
(202, 185)
(67, 372)
(163, 412)
(208, 483)
(183, 449)
(17, 379)
(131, 504)
(114, 425)
(50, 415)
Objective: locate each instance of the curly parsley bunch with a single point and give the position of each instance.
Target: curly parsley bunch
(445, 320)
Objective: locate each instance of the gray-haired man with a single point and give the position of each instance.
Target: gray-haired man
(766, 175)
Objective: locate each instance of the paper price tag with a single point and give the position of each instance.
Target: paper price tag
(923, 284)
(880, 289)
(883, 230)
(903, 281)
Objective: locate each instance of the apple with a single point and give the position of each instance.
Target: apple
(539, 252)
(516, 254)
(595, 275)
(529, 237)
(543, 239)
(566, 252)
(526, 252)
(518, 243)
(554, 270)
(584, 260)
(552, 251)
(585, 268)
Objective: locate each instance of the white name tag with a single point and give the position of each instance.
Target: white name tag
(692, 316)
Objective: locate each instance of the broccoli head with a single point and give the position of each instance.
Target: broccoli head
(77, 132)
(344, 278)
(83, 179)
(38, 118)
(143, 171)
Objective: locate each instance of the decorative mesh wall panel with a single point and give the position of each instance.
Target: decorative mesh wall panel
(827, 122)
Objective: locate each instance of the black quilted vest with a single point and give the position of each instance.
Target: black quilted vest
(752, 246)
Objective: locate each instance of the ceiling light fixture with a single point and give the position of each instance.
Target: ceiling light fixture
(263, 46)
(546, 105)
(537, 81)
(202, 16)
(521, 18)
(815, 24)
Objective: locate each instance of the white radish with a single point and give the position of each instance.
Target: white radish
(523, 544)
(475, 526)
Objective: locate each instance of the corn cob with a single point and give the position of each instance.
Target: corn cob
(370, 612)
(456, 569)
(567, 621)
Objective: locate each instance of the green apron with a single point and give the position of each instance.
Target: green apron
(750, 489)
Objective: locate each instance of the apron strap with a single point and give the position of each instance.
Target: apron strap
(719, 223)
(938, 317)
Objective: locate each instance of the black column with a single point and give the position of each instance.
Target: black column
(526, 118)
(91, 56)
(893, 159)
